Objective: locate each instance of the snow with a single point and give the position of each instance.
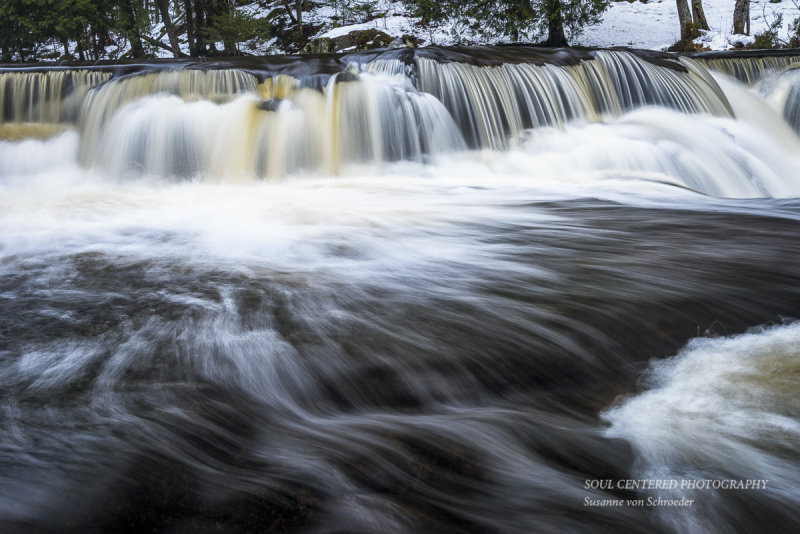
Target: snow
(651, 24)
(648, 24)
(654, 24)
(393, 25)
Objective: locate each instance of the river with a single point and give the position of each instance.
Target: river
(467, 291)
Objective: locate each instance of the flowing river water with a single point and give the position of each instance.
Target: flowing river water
(470, 291)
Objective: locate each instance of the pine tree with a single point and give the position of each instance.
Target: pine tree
(172, 34)
(130, 23)
(549, 21)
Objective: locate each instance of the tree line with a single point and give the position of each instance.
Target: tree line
(32, 30)
(85, 29)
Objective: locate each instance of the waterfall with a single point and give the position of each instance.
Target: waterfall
(243, 120)
(781, 91)
(493, 105)
(185, 126)
(775, 78)
(747, 69)
(36, 104)
(102, 105)
(45, 97)
(791, 104)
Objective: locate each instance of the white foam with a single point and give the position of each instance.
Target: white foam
(726, 408)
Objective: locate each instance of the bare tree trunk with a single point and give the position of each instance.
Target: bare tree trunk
(163, 8)
(288, 9)
(187, 8)
(231, 44)
(698, 15)
(155, 42)
(555, 24)
(741, 17)
(199, 27)
(688, 31)
(298, 6)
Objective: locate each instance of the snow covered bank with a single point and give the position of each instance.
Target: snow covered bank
(638, 24)
(654, 24)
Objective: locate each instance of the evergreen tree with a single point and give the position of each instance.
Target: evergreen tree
(26, 25)
(232, 26)
(18, 31)
(131, 22)
(169, 27)
(31, 30)
(549, 21)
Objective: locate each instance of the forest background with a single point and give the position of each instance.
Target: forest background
(89, 30)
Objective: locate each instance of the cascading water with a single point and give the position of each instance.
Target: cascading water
(38, 103)
(48, 97)
(495, 104)
(471, 290)
(781, 91)
(748, 68)
(226, 124)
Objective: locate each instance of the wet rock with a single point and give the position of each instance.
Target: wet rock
(411, 41)
(270, 105)
(355, 40)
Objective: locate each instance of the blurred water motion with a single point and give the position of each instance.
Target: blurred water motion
(438, 296)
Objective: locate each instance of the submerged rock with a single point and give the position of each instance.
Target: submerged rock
(270, 105)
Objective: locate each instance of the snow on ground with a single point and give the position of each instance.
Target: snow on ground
(394, 25)
(654, 24)
(399, 21)
(650, 24)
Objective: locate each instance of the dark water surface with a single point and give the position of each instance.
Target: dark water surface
(455, 395)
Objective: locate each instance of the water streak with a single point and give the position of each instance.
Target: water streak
(45, 97)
